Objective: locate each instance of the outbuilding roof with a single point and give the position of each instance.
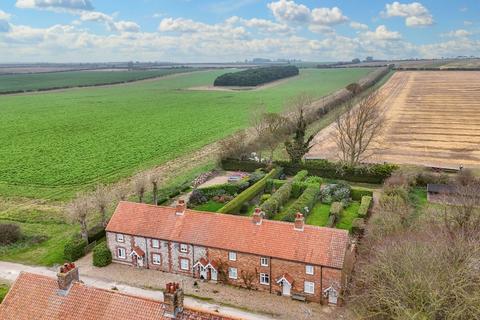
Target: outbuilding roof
(312, 245)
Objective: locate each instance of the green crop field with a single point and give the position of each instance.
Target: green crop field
(54, 144)
(41, 81)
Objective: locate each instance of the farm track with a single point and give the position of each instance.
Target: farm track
(433, 119)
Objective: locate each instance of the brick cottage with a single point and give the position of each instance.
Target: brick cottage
(290, 259)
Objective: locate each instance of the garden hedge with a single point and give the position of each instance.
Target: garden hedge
(247, 195)
(358, 193)
(336, 209)
(241, 165)
(226, 188)
(101, 255)
(74, 249)
(279, 198)
(96, 233)
(274, 184)
(364, 206)
(374, 173)
(307, 200)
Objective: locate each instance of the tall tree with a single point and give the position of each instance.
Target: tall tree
(79, 210)
(101, 199)
(299, 146)
(359, 128)
(276, 129)
(154, 179)
(140, 185)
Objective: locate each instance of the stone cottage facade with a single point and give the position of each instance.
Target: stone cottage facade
(290, 259)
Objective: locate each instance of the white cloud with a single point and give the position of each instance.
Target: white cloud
(73, 5)
(109, 21)
(460, 33)
(260, 25)
(382, 34)
(321, 29)
(467, 23)
(290, 11)
(327, 16)
(4, 24)
(452, 48)
(358, 26)
(415, 13)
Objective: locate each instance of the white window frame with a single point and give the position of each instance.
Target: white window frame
(232, 256)
(119, 237)
(120, 256)
(157, 242)
(181, 264)
(309, 287)
(159, 259)
(311, 268)
(183, 248)
(263, 277)
(264, 261)
(232, 273)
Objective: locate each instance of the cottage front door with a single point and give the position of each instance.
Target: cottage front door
(332, 296)
(140, 262)
(203, 273)
(286, 288)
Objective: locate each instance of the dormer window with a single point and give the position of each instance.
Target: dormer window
(309, 269)
(183, 248)
(232, 256)
(155, 243)
(120, 237)
(264, 261)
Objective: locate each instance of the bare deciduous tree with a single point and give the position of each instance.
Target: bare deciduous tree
(276, 129)
(154, 178)
(235, 146)
(78, 210)
(140, 185)
(121, 191)
(359, 128)
(101, 199)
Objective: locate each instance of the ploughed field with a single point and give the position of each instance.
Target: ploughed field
(54, 144)
(433, 119)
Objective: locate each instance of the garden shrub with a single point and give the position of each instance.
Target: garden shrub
(331, 221)
(313, 180)
(241, 165)
(9, 233)
(300, 176)
(96, 233)
(265, 197)
(297, 189)
(358, 226)
(364, 206)
(234, 205)
(358, 193)
(256, 176)
(274, 184)
(424, 178)
(278, 199)
(304, 203)
(197, 198)
(74, 249)
(335, 192)
(101, 255)
(336, 209)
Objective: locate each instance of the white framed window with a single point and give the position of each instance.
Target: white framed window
(264, 278)
(309, 269)
(155, 243)
(183, 248)
(184, 264)
(156, 258)
(309, 287)
(232, 256)
(232, 273)
(120, 237)
(264, 261)
(121, 253)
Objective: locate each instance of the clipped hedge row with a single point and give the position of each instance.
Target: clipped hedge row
(241, 165)
(280, 197)
(336, 209)
(307, 200)
(374, 173)
(300, 176)
(274, 184)
(74, 249)
(226, 188)
(96, 233)
(358, 193)
(235, 205)
(364, 206)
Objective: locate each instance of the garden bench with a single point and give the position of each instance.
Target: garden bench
(299, 297)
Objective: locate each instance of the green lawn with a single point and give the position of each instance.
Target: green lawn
(54, 144)
(348, 215)
(319, 215)
(3, 291)
(211, 206)
(36, 81)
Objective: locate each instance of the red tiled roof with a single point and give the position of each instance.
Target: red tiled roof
(313, 245)
(138, 251)
(287, 277)
(36, 297)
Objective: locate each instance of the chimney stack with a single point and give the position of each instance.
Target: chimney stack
(299, 222)
(173, 300)
(180, 207)
(67, 274)
(257, 216)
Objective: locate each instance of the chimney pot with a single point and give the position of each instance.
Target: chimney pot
(299, 222)
(67, 275)
(257, 216)
(180, 209)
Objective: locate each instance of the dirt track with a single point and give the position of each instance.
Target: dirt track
(433, 119)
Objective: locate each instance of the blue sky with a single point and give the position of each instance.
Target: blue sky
(234, 30)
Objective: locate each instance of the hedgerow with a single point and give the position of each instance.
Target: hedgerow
(101, 255)
(304, 203)
(256, 76)
(74, 249)
(364, 206)
(280, 197)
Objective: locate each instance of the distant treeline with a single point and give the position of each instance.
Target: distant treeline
(255, 77)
